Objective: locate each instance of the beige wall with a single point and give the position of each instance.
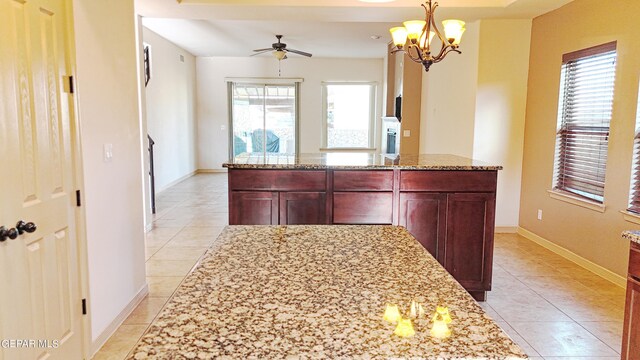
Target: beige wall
(171, 110)
(107, 98)
(449, 100)
(500, 108)
(578, 25)
(473, 105)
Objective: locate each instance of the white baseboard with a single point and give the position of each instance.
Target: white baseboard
(115, 324)
(571, 256)
(506, 229)
(179, 180)
(208, 171)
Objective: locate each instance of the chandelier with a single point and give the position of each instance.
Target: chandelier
(418, 34)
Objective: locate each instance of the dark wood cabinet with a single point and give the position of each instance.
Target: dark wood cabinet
(302, 208)
(253, 208)
(451, 213)
(424, 215)
(631, 330)
(468, 244)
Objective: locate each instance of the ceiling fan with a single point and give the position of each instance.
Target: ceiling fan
(280, 50)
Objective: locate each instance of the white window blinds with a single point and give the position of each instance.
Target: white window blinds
(584, 115)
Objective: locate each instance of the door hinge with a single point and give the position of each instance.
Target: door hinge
(68, 84)
(84, 306)
(78, 198)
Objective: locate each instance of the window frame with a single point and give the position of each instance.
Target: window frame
(560, 190)
(373, 91)
(633, 206)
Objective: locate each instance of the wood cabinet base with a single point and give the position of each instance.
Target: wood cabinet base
(631, 330)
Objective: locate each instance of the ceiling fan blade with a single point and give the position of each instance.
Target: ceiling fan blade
(261, 52)
(299, 52)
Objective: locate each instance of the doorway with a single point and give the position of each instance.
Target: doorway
(264, 118)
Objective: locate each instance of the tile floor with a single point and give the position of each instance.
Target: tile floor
(553, 308)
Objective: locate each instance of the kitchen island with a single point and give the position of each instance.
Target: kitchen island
(447, 202)
(318, 292)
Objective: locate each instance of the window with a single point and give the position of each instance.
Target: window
(584, 115)
(263, 118)
(349, 115)
(634, 194)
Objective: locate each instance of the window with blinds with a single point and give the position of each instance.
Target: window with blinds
(634, 194)
(584, 115)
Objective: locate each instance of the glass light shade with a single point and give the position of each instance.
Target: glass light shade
(399, 35)
(279, 54)
(422, 42)
(414, 28)
(405, 328)
(391, 313)
(453, 29)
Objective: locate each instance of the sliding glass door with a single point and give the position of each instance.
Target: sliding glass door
(263, 118)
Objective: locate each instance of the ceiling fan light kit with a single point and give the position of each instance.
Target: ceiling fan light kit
(280, 50)
(415, 36)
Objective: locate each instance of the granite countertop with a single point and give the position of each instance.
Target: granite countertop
(317, 292)
(357, 161)
(632, 235)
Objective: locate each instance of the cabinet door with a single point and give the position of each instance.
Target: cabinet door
(303, 208)
(631, 331)
(424, 215)
(253, 208)
(469, 240)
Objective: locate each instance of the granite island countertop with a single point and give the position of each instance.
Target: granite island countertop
(317, 292)
(357, 161)
(632, 235)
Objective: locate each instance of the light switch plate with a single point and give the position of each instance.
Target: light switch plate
(108, 152)
(406, 133)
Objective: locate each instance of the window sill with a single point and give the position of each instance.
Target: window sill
(630, 217)
(347, 149)
(591, 205)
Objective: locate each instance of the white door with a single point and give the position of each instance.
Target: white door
(41, 308)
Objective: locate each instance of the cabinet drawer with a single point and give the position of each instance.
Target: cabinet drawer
(448, 181)
(363, 180)
(634, 262)
(362, 208)
(284, 180)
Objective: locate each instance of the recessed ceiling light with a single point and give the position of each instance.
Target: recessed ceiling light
(375, 37)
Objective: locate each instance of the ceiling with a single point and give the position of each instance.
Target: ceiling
(326, 28)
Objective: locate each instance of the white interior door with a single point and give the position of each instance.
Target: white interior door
(41, 312)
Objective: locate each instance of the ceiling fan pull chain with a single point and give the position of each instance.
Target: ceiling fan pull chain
(279, 69)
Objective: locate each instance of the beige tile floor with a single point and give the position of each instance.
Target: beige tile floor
(553, 308)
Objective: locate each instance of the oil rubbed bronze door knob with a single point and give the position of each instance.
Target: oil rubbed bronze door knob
(23, 227)
(8, 233)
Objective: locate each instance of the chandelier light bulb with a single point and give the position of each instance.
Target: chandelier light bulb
(399, 35)
(414, 28)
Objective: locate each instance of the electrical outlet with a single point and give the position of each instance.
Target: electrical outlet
(539, 214)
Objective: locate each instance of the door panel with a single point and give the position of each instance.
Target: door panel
(254, 208)
(469, 241)
(631, 333)
(424, 215)
(362, 208)
(39, 273)
(303, 208)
